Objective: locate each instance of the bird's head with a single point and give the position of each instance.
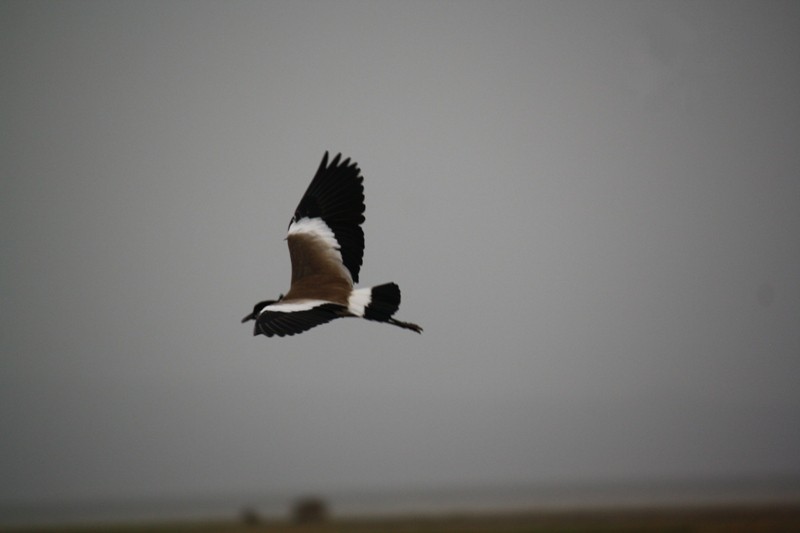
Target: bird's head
(258, 307)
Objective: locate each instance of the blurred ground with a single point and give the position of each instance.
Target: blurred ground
(771, 519)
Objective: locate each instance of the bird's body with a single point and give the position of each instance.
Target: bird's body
(326, 247)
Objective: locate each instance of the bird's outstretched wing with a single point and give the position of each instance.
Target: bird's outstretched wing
(291, 318)
(327, 221)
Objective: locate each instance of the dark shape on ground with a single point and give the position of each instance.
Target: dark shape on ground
(310, 510)
(249, 516)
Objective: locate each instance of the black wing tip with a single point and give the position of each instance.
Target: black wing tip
(337, 161)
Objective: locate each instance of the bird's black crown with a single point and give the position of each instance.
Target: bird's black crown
(257, 309)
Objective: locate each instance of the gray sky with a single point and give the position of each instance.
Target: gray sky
(593, 208)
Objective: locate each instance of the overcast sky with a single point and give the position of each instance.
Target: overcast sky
(593, 209)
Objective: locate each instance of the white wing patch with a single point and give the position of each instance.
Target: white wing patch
(317, 228)
(301, 305)
(359, 300)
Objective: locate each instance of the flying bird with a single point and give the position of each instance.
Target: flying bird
(326, 246)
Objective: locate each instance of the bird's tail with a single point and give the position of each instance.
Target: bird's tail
(379, 303)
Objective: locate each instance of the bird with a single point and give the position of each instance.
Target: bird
(326, 248)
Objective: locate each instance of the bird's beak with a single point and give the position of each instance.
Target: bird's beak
(251, 316)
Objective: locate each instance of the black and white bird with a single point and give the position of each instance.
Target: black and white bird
(326, 245)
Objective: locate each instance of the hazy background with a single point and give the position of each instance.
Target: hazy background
(593, 208)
